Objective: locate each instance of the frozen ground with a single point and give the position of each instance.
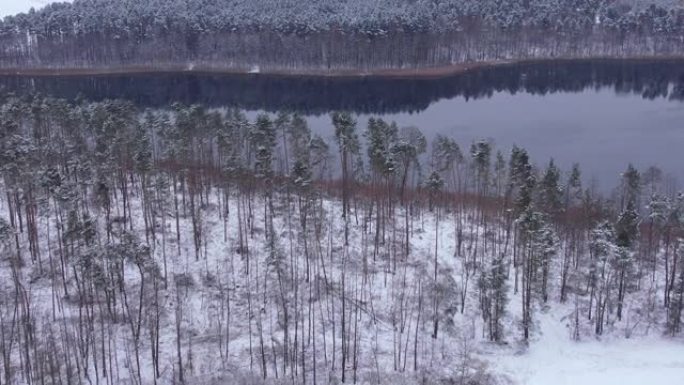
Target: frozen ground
(555, 359)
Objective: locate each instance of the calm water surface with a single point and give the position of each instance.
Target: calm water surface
(600, 129)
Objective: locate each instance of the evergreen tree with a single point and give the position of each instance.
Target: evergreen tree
(602, 247)
(481, 153)
(631, 188)
(262, 137)
(406, 152)
(494, 288)
(626, 231)
(674, 311)
(551, 192)
(381, 137)
(521, 179)
(573, 190)
(434, 184)
(348, 143)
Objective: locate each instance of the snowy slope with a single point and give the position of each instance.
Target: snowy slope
(552, 358)
(555, 359)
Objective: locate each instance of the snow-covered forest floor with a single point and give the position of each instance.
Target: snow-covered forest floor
(226, 313)
(554, 358)
(194, 247)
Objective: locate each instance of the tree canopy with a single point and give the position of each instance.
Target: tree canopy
(140, 18)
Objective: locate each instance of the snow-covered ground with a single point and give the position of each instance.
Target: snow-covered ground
(552, 358)
(555, 359)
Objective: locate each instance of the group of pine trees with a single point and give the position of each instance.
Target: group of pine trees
(373, 18)
(329, 35)
(146, 246)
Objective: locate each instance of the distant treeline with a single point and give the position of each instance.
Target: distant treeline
(144, 18)
(330, 35)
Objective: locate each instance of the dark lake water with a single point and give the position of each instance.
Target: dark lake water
(602, 114)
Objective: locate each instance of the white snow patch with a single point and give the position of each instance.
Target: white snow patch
(556, 359)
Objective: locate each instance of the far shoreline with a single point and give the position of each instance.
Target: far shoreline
(389, 73)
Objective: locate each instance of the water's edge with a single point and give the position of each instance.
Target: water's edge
(414, 72)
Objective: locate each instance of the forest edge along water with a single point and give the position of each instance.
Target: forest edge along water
(602, 113)
(313, 94)
(438, 71)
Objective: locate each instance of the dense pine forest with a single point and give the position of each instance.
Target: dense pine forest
(190, 245)
(330, 35)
